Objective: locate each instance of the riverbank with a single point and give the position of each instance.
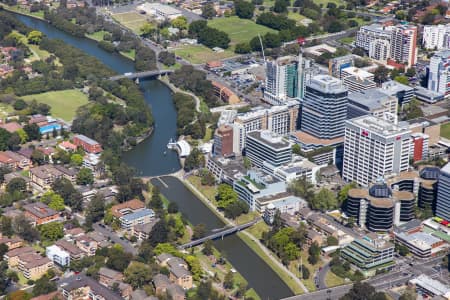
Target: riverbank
(294, 284)
(17, 10)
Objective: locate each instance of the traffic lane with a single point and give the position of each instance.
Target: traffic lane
(107, 232)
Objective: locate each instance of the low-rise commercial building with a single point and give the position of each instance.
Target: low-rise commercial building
(421, 244)
(369, 254)
(429, 287)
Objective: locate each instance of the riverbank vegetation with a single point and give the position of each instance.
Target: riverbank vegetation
(115, 126)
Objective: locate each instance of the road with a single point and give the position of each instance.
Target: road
(321, 276)
(109, 233)
(381, 282)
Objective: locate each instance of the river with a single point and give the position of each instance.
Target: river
(149, 159)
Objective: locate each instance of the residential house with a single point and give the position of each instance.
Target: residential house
(69, 174)
(40, 213)
(12, 242)
(108, 276)
(313, 237)
(45, 175)
(75, 252)
(67, 146)
(12, 256)
(19, 161)
(179, 272)
(176, 292)
(142, 231)
(10, 176)
(33, 266)
(11, 126)
(161, 282)
(34, 119)
(86, 244)
(58, 255)
(139, 217)
(89, 145)
(80, 287)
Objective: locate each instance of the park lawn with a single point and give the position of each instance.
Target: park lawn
(130, 54)
(131, 20)
(199, 54)
(208, 134)
(64, 104)
(239, 30)
(97, 36)
(347, 40)
(5, 110)
(245, 218)
(295, 16)
(258, 229)
(37, 53)
(332, 279)
(445, 131)
(294, 267)
(176, 66)
(207, 191)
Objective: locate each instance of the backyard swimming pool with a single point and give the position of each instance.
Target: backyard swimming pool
(49, 128)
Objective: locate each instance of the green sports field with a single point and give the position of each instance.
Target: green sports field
(64, 104)
(239, 30)
(445, 131)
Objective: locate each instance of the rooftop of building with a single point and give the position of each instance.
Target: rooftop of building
(80, 280)
(45, 171)
(371, 98)
(421, 240)
(297, 166)
(40, 210)
(86, 139)
(107, 272)
(379, 125)
(131, 204)
(327, 84)
(434, 286)
(147, 227)
(270, 139)
(413, 224)
(138, 214)
(358, 72)
(393, 87)
(309, 139)
(373, 240)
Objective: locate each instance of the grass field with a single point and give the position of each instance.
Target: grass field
(37, 54)
(294, 267)
(130, 54)
(332, 279)
(63, 103)
(199, 54)
(132, 20)
(445, 131)
(347, 40)
(239, 30)
(295, 16)
(97, 36)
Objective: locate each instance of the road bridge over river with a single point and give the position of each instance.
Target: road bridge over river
(220, 234)
(139, 75)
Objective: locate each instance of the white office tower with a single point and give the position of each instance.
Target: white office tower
(375, 147)
(435, 37)
(306, 70)
(403, 44)
(380, 50)
(439, 72)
